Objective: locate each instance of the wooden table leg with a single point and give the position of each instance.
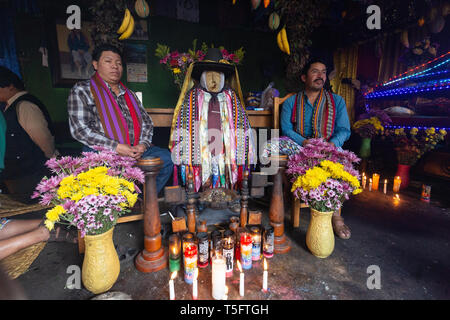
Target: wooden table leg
(276, 210)
(190, 207)
(153, 257)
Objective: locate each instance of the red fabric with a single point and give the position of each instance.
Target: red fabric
(136, 126)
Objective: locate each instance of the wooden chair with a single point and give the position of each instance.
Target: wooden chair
(296, 204)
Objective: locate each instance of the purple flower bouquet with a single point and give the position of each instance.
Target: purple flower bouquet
(89, 192)
(323, 176)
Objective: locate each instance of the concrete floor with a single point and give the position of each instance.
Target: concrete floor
(409, 242)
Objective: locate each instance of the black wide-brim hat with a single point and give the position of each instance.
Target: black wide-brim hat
(212, 62)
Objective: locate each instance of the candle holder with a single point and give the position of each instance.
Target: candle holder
(228, 251)
(375, 181)
(246, 250)
(268, 242)
(188, 239)
(397, 183)
(174, 252)
(276, 209)
(153, 257)
(203, 249)
(256, 243)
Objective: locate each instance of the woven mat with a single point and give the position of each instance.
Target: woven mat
(12, 205)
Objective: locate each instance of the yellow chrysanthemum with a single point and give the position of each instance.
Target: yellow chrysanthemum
(53, 214)
(176, 70)
(49, 224)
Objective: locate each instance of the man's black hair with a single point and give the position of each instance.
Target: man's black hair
(7, 78)
(309, 63)
(97, 53)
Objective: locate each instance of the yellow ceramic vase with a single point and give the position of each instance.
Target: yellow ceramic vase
(101, 265)
(320, 236)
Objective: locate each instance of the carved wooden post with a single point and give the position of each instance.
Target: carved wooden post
(244, 199)
(153, 257)
(276, 211)
(190, 207)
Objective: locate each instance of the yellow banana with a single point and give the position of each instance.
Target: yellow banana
(129, 31)
(280, 42)
(284, 40)
(125, 22)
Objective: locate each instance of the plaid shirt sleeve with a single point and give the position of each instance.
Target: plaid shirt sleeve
(84, 123)
(147, 125)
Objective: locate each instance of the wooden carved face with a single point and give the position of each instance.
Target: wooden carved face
(213, 81)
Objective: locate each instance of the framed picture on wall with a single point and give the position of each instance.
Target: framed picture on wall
(70, 53)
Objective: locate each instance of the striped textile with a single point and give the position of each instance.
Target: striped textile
(323, 120)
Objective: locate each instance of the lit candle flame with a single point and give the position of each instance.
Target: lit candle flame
(226, 290)
(265, 264)
(174, 275)
(239, 266)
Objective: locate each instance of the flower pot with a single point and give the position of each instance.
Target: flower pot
(403, 172)
(320, 236)
(364, 151)
(101, 265)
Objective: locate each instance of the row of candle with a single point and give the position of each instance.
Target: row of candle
(219, 288)
(374, 181)
(244, 245)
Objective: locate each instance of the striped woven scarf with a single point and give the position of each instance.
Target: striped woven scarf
(323, 118)
(112, 119)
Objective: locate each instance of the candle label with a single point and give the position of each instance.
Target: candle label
(256, 251)
(246, 255)
(203, 253)
(229, 257)
(190, 264)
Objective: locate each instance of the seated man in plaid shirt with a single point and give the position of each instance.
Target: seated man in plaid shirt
(103, 112)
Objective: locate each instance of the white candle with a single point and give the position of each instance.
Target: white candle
(171, 286)
(364, 180)
(218, 276)
(370, 184)
(265, 275)
(241, 280)
(195, 286)
(225, 296)
(385, 186)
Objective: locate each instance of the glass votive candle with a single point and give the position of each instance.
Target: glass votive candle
(190, 262)
(256, 243)
(228, 251)
(246, 250)
(174, 252)
(397, 183)
(218, 281)
(215, 242)
(237, 243)
(268, 242)
(188, 238)
(203, 249)
(375, 181)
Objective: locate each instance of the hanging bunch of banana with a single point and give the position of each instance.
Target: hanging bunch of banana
(126, 29)
(282, 41)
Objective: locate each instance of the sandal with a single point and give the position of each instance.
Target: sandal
(125, 254)
(339, 227)
(60, 234)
